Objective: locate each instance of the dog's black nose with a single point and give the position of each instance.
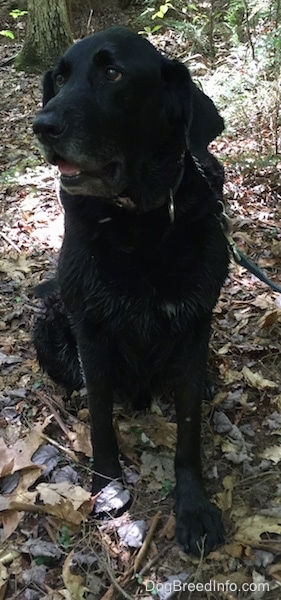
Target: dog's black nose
(48, 127)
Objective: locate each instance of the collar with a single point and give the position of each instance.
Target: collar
(124, 201)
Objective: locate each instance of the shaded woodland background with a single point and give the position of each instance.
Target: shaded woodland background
(50, 549)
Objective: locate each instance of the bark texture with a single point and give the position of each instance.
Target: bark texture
(48, 35)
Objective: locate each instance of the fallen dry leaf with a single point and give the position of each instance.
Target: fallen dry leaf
(19, 456)
(10, 518)
(158, 466)
(272, 453)
(161, 432)
(73, 583)
(169, 529)
(3, 581)
(17, 268)
(235, 550)
(224, 499)
(277, 400)
(250, 528)
(81, 439)
(275, 571)
(66, 502)
(269, 318)
(257, 381)
(230, 376)
(55, 493)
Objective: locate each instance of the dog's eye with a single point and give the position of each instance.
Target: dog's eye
(112, 74)
(60, 80)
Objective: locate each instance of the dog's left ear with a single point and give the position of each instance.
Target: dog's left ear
(183, 99)
(48, 87)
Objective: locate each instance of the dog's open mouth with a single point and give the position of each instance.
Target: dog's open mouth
(111, 172)
(105, 179)
(66, 169)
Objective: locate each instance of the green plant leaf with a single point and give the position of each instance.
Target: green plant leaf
(7, 33)
(18, 13)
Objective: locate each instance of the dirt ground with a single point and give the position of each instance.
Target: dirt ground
(51, 548)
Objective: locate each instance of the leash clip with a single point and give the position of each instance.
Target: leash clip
(225, 220)
(225, 223)
(233, 248)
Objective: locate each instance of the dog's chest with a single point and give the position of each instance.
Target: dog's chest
(123, 283)
(140, 278)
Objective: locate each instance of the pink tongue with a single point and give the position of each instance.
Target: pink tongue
(67, 169)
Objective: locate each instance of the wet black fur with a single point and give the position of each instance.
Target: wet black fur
(135, 292)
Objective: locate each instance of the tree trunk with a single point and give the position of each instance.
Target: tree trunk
(48, 35)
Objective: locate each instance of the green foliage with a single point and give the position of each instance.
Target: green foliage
(16, 13)
(64, 537)
(163, 9)
(43, 560)
(7, 33)
(235, 13)
(167, 487)
(148, 30)
(150, 587)
(248, 92)
(37, 385)
(155, 13)
(9, 176)
(240, 44)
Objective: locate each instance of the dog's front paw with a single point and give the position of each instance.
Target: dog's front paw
(199, 527)
(199, 530)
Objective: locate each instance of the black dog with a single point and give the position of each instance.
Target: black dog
(144, 256)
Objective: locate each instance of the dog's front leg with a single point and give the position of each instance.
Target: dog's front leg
(199, 526)
(95, 363)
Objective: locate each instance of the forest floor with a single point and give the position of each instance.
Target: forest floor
(51, 548)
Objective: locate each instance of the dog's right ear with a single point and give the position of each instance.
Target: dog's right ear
(48, 86)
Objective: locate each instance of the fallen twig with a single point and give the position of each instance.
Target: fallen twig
(115, 585)
(155, 559)
(8, 60)
(146, 543)
(10, 242)
(69, 453)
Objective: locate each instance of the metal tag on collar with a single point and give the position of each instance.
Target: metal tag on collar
(171, 206)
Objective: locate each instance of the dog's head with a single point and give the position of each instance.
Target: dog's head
(116, 116)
